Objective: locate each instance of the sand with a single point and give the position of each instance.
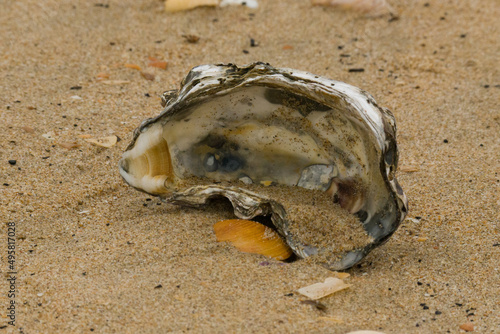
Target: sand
(93, 254)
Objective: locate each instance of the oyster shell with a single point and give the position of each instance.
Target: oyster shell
(319, 156)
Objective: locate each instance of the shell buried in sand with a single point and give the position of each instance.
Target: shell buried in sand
(317, 157)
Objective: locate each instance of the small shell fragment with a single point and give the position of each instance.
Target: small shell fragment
(248, 3)
(68, 146)
(252, 237)
(369, 7)
(28, 129)
(178, 5)
(49, 135)
(115, 82)
(103, 141)
(365, 332)
(153, 62)
(320, 290)
(133, 66)
(148, 76)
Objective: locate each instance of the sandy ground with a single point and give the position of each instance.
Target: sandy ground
(93, 254)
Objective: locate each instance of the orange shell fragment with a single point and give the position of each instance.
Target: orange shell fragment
(252, 237)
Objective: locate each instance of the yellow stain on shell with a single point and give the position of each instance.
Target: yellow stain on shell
(252, 237)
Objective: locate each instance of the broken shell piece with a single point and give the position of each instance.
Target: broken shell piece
(370, 7)
(320, 290)
(178, 5)
(103, 141)
(68, 146)
(49, 135)
(317, 156)
(248, 3)
(252, 237)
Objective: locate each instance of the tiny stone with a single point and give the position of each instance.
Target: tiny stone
(6, 184)
(419, 283)
(289, 294)
(426, 307)
(158, 286)
(12, 162)
(246, 52)
(445, 141)
(438, 312)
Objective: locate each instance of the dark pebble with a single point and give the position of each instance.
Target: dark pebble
(147, 95)
(76, 88)
(6, 184)
(494, 245)
(289, 294)
(12, 162)
(252, 43)
(354, 70)
(486, 86)
(246, 52)
(426, 307)
(419, 283)
(438, 312)
(463, 35)
(445, 141)
(158, 286)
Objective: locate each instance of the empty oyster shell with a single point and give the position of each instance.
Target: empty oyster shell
(318, 156)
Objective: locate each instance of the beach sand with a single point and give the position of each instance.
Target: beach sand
(93, 254)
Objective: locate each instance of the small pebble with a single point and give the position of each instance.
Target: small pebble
(12, 162)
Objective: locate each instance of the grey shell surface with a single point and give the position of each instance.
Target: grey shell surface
(230, 131)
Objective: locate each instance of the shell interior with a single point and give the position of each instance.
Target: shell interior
(282, 142)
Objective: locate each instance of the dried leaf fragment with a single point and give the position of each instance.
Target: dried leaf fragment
(133, 66)
(178, 5)
(103, 141)
(320, 290)
(252, 237)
